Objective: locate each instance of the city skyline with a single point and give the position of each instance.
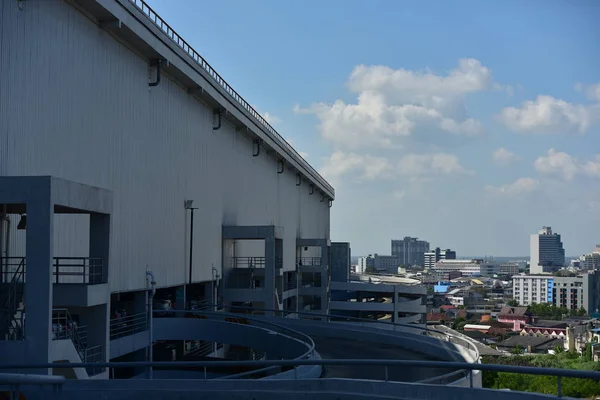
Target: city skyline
(431, 120)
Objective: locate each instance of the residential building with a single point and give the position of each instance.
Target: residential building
(364, 264)
(381, 263)
(340, 261)
(517, 316)
(508, 269)
(410, 251)
(572, 292)
(576, 292)
(431, 257)
(528, 289)
(590, 260)
(546, 252)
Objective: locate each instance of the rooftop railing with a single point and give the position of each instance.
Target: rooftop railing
(199, 60)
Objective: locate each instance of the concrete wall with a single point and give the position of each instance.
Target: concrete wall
(75, 103)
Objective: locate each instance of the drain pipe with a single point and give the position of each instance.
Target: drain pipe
(150, 275)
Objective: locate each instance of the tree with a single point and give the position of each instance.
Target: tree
(517, 350)
(370, 269)
(558, 349)
(512, 303)
(457, 322)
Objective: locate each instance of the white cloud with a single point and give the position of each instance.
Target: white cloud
(503, 156)
(393, 104)
(591, 91)
(547, 115)
(518, 187)
(271, 119)
(292, 142)
(565, 166)
(410, 166)
(557, 163)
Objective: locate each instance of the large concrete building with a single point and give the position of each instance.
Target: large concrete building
(379, 263)
(117, 140)
(410, 251)
(572, 292)
(546, 251)
(433, 256)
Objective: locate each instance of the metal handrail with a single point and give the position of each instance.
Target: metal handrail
(163, 26)
(129, 325)
(559, 373)
(88, 269)
(30, 379)
(308, 261)
(339, 318)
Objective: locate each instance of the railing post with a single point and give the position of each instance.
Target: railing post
(471, 379)
(56, 265)
(205, 372)
(559, 388)
(386, 373)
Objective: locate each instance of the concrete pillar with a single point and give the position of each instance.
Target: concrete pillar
(99, 247)
(395, 302)
(38, 319)
(97, 320)
(324, 279)
(270, 273)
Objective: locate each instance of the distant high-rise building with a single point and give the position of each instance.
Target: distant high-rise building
(340, 261)
(410, 251)
(590, 260)
(433, 256)
(546, 252)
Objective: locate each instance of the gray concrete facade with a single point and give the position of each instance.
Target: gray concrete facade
(40, 198)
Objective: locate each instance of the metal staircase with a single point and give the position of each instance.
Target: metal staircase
(12, 313)
(64, 327)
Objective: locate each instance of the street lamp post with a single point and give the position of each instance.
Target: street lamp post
(215, 277)
(188, 206)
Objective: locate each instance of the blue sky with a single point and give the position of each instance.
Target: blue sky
(468, 124)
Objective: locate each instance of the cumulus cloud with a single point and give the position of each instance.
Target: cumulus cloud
(503, 156)
(548, 115)
(518, 187)
(394, 104)
(591, 91)
(565, 166)
(410, 166)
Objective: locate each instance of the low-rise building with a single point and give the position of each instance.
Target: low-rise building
(474, 267)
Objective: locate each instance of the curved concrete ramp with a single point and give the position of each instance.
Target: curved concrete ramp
(338, 348)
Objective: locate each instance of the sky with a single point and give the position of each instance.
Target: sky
(468, 124)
